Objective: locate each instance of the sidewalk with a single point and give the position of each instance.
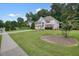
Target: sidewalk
(9, 47)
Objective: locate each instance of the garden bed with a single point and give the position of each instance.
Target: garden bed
(60, 40)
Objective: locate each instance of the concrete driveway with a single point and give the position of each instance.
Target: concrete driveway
(9, 47)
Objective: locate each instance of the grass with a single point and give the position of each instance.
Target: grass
(19, 29)
(34, 46)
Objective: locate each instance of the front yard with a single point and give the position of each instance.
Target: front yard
(33, 45)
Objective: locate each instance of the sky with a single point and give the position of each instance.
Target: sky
(11, 11)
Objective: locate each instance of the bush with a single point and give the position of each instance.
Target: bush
(48, 28)
(6, 29)
(13, 28)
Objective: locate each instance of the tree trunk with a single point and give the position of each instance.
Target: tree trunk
(66, 34)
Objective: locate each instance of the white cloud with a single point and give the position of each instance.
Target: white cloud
(38, 10)
(12, 15)
(24, 18)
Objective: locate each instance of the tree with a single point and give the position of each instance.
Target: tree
(13, 25)
(21, 22)
(34, 17)
(69, 13)
(1, 24)
(43, 13)
(31, 18)
(67, 16)
(56, 9)
(8, 25)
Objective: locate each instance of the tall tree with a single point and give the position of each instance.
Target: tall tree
(36, 16)
(8, 25)
(21, 22)
(31, 18)
(67, 16)
(13, 25)
(1, 24)
(43, 13)
(56, 10)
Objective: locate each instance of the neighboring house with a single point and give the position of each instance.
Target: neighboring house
(29, 22)
(47, 22)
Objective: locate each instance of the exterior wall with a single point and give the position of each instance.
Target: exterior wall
(55, 24)
(41, 24)
(37, 27)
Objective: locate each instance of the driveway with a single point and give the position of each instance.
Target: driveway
(9, 47)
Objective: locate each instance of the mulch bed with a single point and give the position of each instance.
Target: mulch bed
(60, 40)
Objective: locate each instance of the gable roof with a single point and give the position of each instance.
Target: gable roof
(49, 18)
(46, 19)
(40, 19)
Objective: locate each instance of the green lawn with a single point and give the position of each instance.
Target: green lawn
(19, 29)
(33, 45)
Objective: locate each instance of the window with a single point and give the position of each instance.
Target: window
(42, 24)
